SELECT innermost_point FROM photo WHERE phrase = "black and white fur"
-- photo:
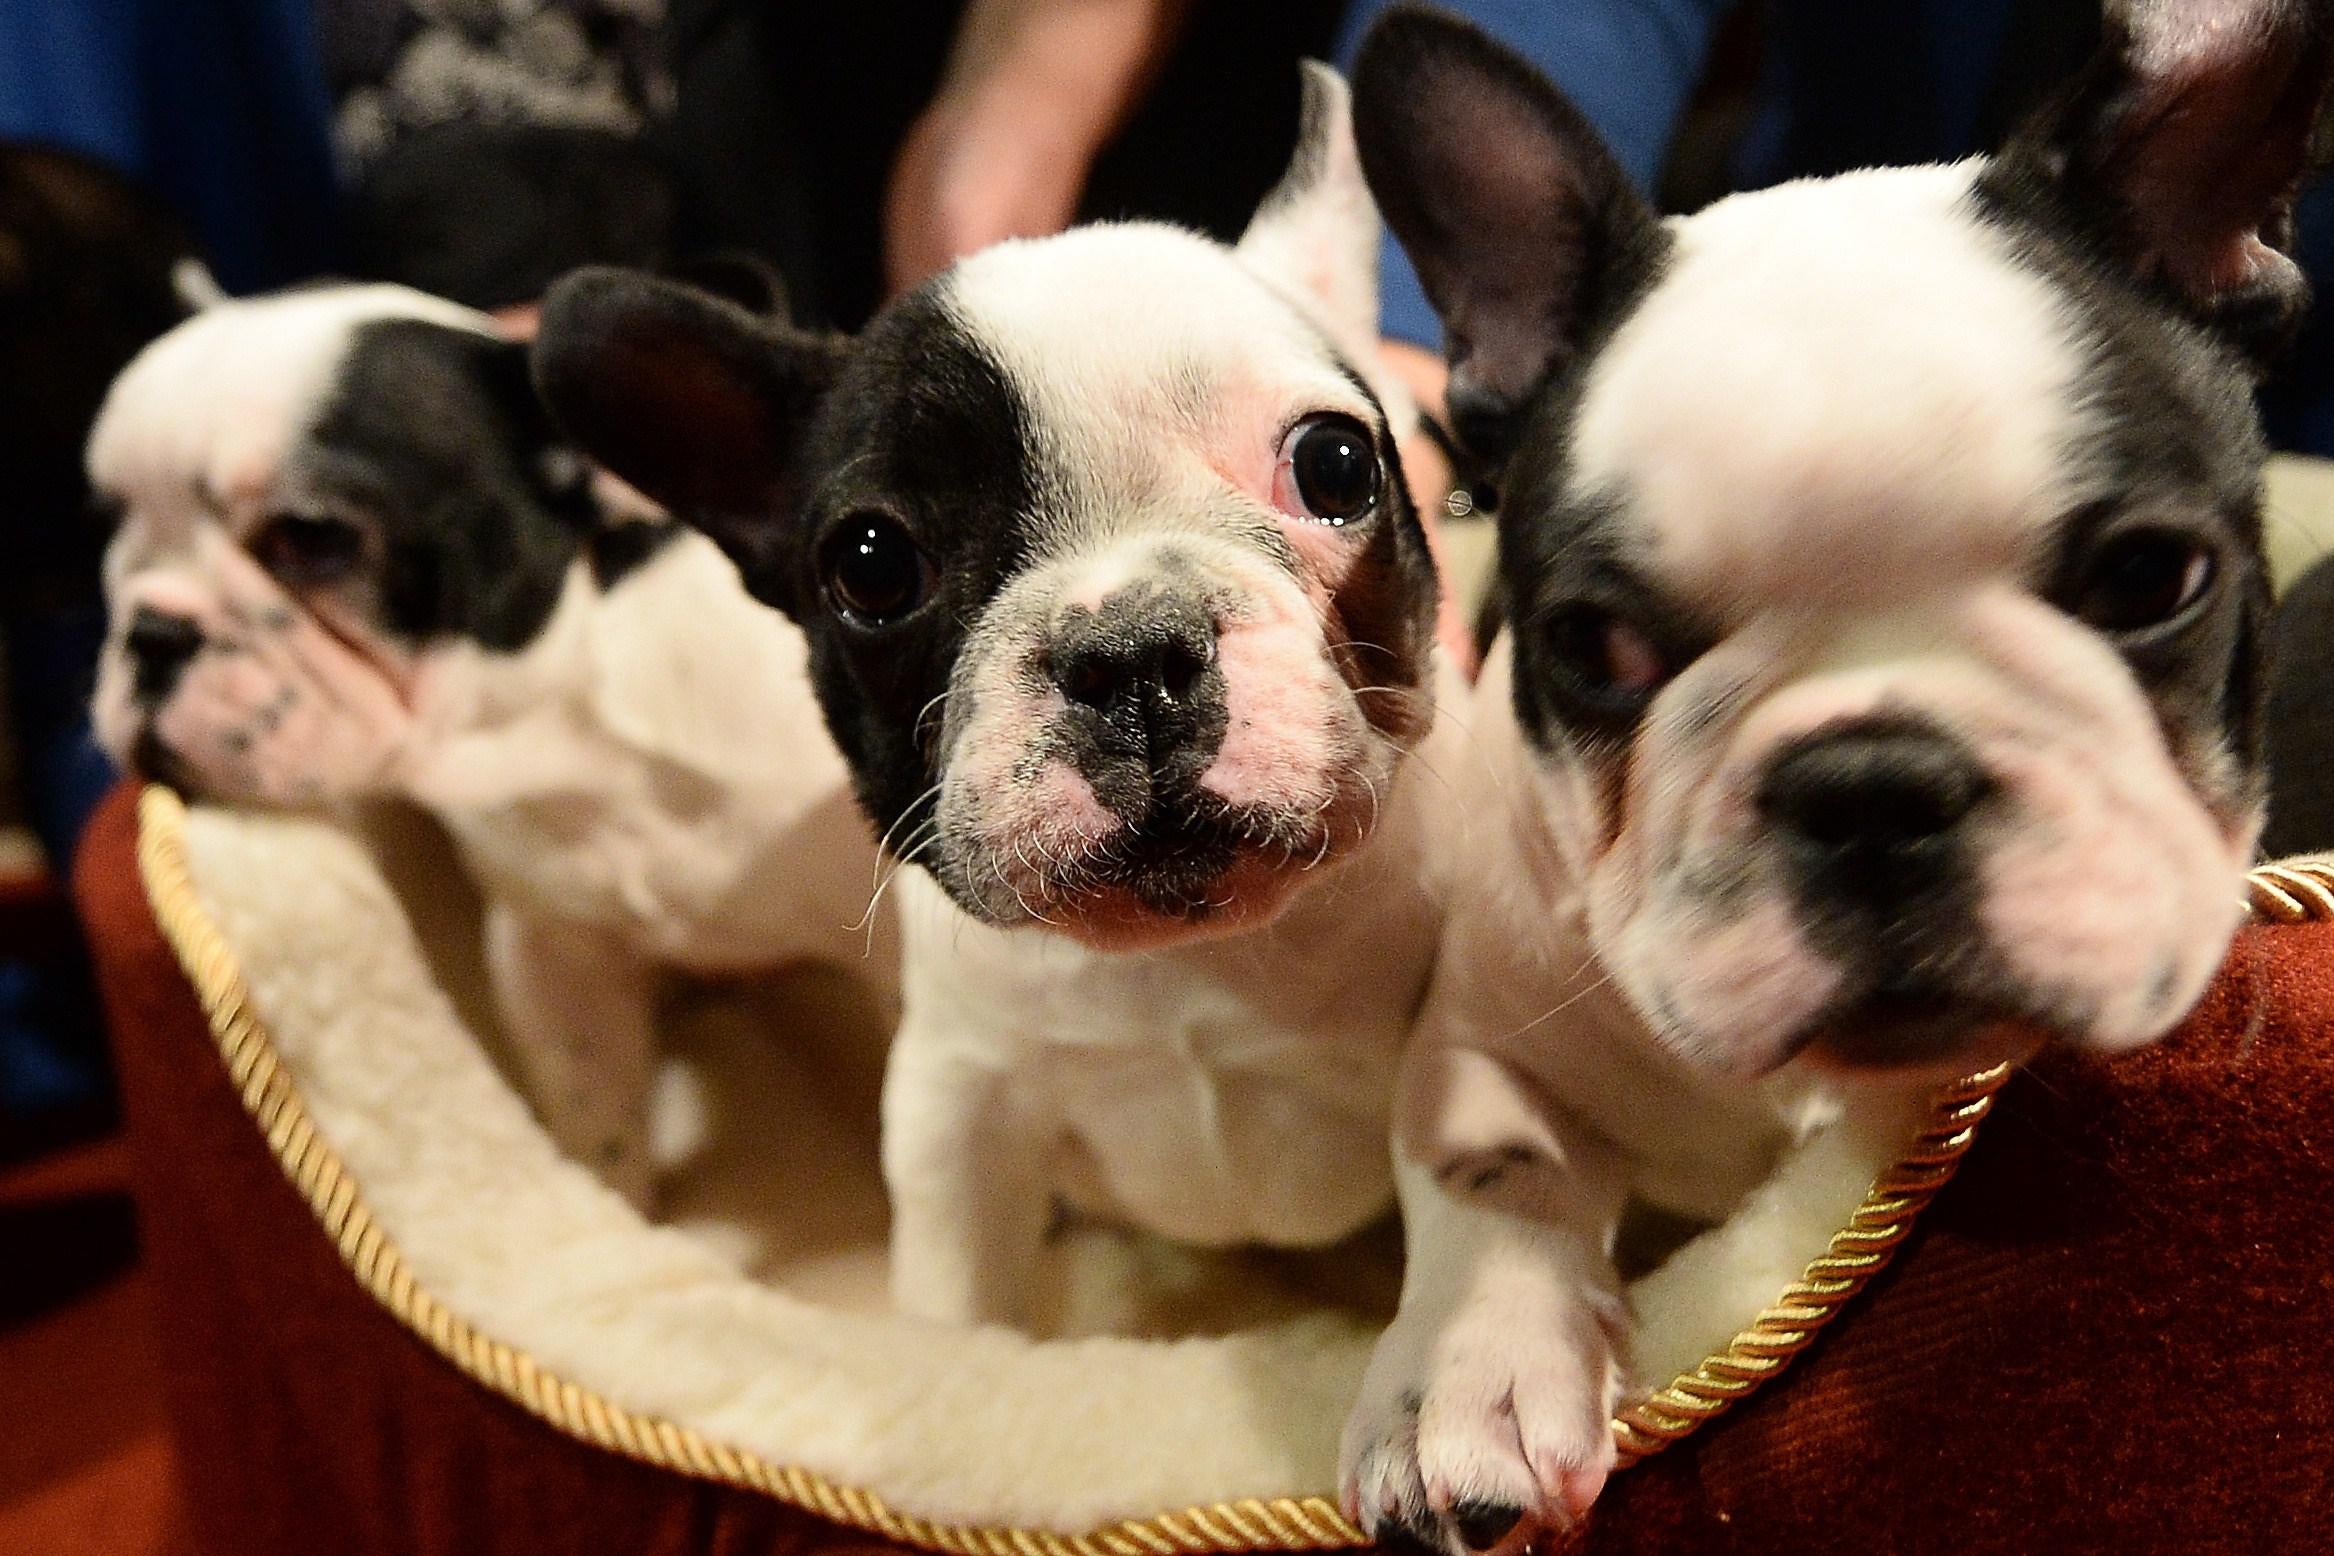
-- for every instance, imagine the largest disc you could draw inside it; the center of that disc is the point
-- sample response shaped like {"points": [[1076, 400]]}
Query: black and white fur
{"points": [[355, 561], [1136, 716], [1881, 697]]}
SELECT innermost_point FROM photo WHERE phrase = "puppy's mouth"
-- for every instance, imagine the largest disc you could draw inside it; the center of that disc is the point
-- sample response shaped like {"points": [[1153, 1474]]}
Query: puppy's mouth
{"points": [[1183, 873], [1174, 864], [1908, 1024]]}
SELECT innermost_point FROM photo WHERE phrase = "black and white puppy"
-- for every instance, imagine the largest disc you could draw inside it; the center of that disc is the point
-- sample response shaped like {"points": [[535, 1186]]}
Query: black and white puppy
{"points": [[1123, 618], [355, 561], [1881, 700]]}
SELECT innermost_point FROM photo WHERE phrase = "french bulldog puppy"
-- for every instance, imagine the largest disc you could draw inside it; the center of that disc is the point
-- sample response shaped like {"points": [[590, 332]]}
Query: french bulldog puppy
{"points": [[1881, 700], [1125, 622], [356, 561]]}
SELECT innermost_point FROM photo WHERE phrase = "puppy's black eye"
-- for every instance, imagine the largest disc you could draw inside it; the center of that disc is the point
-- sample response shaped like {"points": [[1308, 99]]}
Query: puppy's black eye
{"points": [[1328, 470], [1604, 661], [2141, 580], [874, 571], [308, 550]]}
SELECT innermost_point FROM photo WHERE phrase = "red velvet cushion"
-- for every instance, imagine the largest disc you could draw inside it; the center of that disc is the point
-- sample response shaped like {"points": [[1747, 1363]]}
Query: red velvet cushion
{"points": [[2107, 1335]]}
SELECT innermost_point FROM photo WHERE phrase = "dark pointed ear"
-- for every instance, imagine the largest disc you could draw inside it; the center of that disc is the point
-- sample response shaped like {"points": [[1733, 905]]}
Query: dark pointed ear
{"points": [[690, 398], [739, 275], [2178, 151], [1525, 230]]}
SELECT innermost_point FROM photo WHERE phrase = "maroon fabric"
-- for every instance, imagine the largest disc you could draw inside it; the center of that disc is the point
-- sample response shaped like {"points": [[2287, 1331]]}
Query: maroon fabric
{"points": [[2109, 1334]]}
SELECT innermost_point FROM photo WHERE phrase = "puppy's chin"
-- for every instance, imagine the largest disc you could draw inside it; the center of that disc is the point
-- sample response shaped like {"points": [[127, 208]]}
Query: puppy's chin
{"points": [[1192, 875], [1154, 908], [244, 728], [1913, 1037], [1805, 1011]]}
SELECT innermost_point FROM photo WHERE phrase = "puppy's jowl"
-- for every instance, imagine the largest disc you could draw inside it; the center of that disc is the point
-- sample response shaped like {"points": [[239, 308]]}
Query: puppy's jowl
{"points": [[355, 562], [1123, 618], [1880, 698]]}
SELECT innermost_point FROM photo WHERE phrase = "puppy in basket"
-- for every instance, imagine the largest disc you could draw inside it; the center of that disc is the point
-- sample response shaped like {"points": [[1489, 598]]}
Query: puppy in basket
{"points": [[355, 561], [1882, 694], [1123, 618]]}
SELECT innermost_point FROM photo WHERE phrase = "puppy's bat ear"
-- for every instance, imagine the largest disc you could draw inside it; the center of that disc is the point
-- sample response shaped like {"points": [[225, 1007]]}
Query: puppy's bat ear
{"points": [[1316, 234], [1525, 230], [695, 401], [2176, 154], [743, 277]]}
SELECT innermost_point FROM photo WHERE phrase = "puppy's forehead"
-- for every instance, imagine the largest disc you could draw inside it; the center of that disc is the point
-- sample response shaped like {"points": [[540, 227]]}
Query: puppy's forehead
{"points": [[1842, 382], [1133, 348], [213, 408]]}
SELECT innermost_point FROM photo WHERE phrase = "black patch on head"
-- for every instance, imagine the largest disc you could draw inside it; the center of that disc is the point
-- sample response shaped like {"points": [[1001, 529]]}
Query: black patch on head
{"points": [[1559, 553], [2172, 438], [1388, 599], [923, 426], [434, 432]]}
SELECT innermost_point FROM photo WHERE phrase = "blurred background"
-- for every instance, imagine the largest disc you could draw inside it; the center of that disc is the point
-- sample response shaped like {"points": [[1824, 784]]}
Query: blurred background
{"points": [[478, 148]]}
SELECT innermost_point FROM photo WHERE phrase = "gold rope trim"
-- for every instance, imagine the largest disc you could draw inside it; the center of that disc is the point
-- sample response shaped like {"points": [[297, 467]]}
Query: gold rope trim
{"points": [[1859, 1251], [2292, 892]]}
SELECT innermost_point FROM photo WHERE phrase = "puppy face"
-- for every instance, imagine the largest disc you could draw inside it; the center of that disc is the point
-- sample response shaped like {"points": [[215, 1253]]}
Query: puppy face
{"points": [[317, 494], [1884, 553], [1116, 602]]}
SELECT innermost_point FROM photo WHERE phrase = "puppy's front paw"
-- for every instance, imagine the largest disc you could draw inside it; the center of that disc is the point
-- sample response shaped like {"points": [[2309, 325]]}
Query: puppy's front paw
{"points": [[1494, 1420]]}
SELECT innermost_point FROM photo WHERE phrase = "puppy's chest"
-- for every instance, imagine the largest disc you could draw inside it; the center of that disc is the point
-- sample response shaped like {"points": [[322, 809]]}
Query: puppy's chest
{"points": [[689, 868], [1220, 1094], [1218, 1119]]}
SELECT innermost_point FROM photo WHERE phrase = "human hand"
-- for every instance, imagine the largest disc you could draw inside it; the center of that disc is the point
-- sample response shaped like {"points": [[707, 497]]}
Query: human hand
{"points": [[1034, 89]]}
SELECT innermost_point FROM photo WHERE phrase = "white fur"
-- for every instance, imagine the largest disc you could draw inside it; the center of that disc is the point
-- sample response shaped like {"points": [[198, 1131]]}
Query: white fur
{"points": [[1895, 395], [357, 987], [1226, 1086], [1529, 1062], [1230, 1092], [1839, 429], [647, 784]]}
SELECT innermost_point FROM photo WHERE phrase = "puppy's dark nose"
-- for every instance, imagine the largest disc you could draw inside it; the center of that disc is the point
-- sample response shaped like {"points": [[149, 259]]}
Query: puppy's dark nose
{"points": [[1145, 664], [1137, 665], [1885, 796], [160, 646]]}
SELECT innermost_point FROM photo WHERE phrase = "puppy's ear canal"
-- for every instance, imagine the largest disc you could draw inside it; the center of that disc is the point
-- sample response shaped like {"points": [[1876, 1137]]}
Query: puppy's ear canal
{"points": [[1316, 234], [2178, 151], [694, 400], [1525, 230]]}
